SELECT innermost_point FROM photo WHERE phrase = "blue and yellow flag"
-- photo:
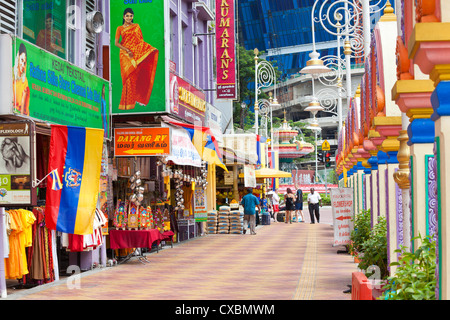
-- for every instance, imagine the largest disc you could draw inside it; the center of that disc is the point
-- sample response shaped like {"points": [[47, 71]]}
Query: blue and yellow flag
{"points": [[76, 153], [56, 182]]}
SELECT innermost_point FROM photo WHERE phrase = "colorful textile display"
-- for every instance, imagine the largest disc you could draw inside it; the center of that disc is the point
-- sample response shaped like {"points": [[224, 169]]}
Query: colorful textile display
{"points": [[40, 256], [87, 242]]}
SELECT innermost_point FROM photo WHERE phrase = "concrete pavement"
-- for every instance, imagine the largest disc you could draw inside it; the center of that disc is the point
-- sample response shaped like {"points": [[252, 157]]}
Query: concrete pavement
{"points": [[282, 262]]}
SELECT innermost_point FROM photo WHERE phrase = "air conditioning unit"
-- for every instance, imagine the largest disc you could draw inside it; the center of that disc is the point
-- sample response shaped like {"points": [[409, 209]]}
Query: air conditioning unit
{"points": [[90, 59], [95, 22]]}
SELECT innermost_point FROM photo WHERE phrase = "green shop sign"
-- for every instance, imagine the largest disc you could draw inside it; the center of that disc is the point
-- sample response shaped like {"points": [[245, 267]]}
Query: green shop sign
{"points": [[51, 89]]}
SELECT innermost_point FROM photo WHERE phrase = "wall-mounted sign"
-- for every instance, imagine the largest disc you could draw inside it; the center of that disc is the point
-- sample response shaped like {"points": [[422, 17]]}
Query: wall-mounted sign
{"points": [[133, 142], [48, 88], [15, 164], [226, 50], [186, 101]]}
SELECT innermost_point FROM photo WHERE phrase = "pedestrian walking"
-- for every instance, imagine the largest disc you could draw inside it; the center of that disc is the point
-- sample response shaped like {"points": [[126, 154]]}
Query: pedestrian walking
{"points": [[275, 204], [289, 199], [250, 202], [314, 200], [299, 206]]}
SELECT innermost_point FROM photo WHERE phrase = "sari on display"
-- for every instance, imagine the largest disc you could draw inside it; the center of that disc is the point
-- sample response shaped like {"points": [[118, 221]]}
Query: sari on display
{"points": [[138, 74]]}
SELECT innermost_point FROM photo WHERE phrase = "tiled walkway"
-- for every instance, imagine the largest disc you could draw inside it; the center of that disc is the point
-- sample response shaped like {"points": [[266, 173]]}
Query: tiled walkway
{"points": [[282, 262]]}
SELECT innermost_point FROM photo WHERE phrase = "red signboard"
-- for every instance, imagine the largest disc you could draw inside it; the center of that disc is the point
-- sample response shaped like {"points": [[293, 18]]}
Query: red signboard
{"points": [[226, 50], [186, 101]]}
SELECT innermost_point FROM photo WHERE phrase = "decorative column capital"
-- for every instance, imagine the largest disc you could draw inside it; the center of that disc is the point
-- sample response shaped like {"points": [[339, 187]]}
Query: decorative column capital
{"points": [[440, 99], [401, 177], [429, 45]]}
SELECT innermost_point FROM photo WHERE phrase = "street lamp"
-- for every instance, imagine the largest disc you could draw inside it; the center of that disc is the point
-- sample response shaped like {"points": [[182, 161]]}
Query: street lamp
{"points": [[265, 76]]}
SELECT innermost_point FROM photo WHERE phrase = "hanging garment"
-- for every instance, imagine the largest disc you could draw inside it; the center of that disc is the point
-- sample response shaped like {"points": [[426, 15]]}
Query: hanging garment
{"points": [[16, 265]]}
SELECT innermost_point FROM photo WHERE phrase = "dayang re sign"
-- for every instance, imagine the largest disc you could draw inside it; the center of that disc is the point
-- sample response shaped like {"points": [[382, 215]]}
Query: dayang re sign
{"points": [[131, 142], [226, 50]]}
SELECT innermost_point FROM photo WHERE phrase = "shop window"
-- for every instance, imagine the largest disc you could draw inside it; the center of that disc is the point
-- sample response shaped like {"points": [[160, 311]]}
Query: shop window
{"points": [[44, 24]]}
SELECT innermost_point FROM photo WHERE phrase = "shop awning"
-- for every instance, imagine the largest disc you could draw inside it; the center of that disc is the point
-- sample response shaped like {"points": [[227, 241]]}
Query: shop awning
{"points": [[235, 157], [269, 173]]}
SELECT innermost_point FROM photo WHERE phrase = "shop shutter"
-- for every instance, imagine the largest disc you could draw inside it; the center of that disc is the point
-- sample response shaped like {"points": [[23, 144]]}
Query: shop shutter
{"points": [[8, 16]]}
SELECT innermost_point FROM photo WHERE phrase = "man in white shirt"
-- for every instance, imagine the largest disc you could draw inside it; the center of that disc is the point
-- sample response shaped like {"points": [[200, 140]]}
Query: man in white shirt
{"points": [[314, 200], [275, 204]]}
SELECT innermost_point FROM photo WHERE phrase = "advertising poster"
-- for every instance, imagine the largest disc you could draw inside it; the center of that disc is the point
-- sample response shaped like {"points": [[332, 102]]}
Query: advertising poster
{"points": [[51, 89], [226, 50], [249, 177], [342, 208], [44, 24], [137, 56], [134, 142], [186, 101], [15, 164], [200, 212]]}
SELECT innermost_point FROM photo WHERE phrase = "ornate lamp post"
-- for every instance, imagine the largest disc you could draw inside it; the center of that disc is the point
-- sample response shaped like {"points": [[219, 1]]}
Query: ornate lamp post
{"points": [[265, 76]]}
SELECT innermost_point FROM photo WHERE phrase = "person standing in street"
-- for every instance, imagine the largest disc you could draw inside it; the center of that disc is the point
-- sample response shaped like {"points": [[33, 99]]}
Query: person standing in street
{"points": [[289, 199], [250, 202], [314, 200], [299, 206], [275, 204]]}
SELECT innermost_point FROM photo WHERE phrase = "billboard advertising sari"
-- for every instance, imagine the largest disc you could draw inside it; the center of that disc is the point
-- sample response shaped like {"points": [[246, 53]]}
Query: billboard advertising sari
{"points": [[51, 89], [137, 56]]}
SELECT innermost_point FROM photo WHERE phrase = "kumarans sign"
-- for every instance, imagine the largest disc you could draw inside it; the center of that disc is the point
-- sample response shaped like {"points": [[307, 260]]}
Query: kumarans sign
{"points": [[226, 50], [131, 142]]}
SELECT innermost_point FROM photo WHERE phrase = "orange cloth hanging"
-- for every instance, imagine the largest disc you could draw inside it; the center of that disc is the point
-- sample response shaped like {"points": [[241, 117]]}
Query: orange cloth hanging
{"points": [[16, 264]]}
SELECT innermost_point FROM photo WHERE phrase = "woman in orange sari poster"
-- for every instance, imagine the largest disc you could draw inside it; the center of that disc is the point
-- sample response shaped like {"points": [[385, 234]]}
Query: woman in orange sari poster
{"points": [[138, 62]]}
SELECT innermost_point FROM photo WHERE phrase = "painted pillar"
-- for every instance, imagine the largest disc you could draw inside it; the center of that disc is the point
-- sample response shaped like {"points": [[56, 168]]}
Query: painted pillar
{"points": [[391, 209], [440, 100], [359, 175], [373, 161], [413, 99], [382, 183], [211, 190], [429, 48], [368, 188]]}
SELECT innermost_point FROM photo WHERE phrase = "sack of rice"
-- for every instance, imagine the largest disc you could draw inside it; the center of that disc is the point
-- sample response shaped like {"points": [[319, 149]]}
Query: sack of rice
{"points": [[224, 208]]}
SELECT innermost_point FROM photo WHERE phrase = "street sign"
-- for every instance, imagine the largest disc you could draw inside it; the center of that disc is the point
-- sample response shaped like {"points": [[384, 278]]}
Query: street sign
{"points": [[325, 145], [342, 208]]}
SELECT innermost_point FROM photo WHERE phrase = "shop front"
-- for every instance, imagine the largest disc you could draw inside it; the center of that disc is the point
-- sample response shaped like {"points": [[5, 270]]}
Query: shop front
{"points": [[41, 93]]}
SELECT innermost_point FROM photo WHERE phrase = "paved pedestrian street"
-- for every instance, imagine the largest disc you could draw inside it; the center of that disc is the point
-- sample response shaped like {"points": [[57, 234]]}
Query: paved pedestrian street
{"points": [[282, 262]]}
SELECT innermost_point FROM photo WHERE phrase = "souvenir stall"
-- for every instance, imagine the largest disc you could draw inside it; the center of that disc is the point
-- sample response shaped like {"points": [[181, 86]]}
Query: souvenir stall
{"points": [[141, 215]]}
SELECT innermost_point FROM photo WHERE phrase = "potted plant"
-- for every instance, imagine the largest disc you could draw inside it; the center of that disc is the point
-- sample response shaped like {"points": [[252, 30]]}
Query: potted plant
{"points": [[415, 277], [360, 234]]}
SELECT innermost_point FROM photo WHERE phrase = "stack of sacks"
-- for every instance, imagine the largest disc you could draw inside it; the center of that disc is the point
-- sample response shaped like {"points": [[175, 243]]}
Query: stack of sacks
{"points": [[211, 222], [236, 219], [223, 221]]}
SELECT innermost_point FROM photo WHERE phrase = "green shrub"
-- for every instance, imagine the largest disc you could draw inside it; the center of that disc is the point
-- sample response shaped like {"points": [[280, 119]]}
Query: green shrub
{"points": [[361, 231], [415, 277], [375, 249]]}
